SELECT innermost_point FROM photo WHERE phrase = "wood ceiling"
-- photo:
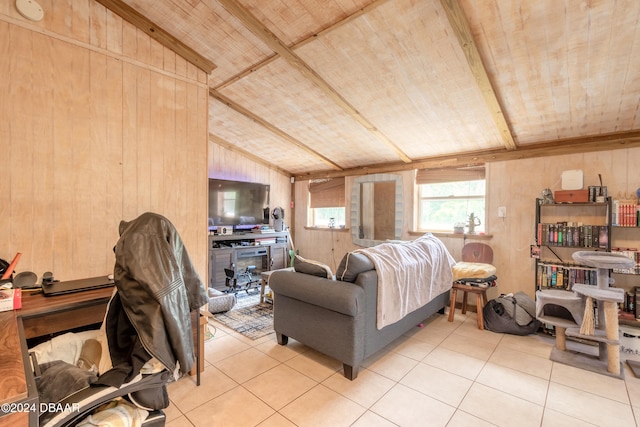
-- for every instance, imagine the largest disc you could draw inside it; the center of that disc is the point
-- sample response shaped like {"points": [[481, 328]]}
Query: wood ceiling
{"points": [[323, 88]]}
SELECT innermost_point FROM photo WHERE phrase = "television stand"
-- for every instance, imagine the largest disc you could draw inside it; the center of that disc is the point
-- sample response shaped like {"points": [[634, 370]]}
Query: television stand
{"points": [[244, 280], [236, 252]]}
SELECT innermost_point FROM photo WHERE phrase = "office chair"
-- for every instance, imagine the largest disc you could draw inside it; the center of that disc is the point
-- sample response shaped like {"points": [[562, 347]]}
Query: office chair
{"points": [[146, 332]]}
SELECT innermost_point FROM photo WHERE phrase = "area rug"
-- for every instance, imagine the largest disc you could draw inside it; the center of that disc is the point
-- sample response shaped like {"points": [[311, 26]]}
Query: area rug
{"points": [[248, 317], [247, 299]]}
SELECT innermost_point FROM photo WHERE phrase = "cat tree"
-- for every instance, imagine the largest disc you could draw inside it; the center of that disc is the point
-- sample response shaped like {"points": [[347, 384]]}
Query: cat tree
{"points": [[601, 329]]}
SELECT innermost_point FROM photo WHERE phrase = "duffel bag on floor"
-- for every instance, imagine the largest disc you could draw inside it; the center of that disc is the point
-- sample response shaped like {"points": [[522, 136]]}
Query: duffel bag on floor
{"points": [[497, 316]]}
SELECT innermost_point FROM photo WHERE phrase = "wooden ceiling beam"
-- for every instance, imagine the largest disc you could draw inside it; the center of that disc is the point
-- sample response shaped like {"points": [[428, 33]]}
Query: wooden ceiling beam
{"points": [[358, 13], [460, 26], [244, 73], [141, 22], [231, 147], [270, 127], [278, 46], [603, 142], [255, 67]]}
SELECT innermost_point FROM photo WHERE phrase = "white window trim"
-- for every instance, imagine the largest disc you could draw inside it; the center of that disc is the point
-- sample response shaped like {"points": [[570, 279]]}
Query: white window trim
{"points": [[419, 199]]}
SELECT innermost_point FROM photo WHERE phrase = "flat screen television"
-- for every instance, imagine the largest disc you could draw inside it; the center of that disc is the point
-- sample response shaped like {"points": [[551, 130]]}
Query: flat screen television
{"points": [[242, 205]]}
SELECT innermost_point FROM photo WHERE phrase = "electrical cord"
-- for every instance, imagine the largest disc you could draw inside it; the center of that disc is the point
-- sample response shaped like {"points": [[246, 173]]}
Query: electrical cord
{"points": [[333, 252]]}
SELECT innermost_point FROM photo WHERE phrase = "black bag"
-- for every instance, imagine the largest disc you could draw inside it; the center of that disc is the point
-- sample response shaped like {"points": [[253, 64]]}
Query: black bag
{"points": [[496, 319]]}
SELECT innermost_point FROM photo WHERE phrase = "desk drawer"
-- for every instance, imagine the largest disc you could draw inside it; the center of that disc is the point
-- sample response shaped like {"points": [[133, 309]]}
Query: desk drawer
{"points": [[51, 323]]}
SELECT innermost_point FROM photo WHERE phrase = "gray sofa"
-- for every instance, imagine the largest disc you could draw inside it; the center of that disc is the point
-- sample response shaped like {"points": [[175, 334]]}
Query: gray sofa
{"points": [[338, 317]]}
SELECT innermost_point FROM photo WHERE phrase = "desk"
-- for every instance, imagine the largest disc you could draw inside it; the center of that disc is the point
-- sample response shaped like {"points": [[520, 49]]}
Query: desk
{"points": [[43, 315], [17, 385], [40, 316]]}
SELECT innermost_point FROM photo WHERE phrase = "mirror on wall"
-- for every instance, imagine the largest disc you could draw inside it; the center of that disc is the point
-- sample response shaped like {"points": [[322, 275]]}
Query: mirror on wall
{"points": [[376, 209]]}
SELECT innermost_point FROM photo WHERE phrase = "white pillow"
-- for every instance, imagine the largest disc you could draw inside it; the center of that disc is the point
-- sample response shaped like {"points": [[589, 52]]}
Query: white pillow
{"points": [[66, 347], [315, 268]]}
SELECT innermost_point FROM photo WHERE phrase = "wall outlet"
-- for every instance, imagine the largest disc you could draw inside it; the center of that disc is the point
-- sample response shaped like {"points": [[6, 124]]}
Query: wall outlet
{"points": [[502, 212]]}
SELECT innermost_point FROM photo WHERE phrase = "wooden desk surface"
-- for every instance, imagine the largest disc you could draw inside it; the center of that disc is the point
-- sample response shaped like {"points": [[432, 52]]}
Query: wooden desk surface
{"points": [[16, 388], [43, 315], [35, 303], [40, 315], [13, 383]]}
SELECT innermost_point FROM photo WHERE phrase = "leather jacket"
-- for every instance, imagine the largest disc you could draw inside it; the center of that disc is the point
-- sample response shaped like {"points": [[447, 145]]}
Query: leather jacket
{"points": [[158, 288]]}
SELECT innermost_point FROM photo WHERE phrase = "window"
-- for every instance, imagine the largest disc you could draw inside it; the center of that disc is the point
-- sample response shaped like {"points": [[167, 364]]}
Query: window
{"points": [[322, 217], [229, 204], [449, 197], [326, 203]]}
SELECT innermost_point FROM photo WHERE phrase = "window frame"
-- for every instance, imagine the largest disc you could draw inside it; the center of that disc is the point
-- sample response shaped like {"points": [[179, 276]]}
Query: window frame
{"points": [[450, 176], [313, 223], [328, 192]]}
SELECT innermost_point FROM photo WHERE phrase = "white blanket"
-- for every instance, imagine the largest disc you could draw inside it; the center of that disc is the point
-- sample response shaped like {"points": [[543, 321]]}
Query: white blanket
{"points": [[410, 274]]}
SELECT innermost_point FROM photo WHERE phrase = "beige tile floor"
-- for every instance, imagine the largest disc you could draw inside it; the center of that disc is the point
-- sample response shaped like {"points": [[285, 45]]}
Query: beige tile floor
{"points": [[443, 374]]}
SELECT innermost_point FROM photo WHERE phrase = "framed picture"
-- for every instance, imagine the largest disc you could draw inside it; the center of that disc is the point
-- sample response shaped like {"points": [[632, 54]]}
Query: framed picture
{"points": [[535, 251]]}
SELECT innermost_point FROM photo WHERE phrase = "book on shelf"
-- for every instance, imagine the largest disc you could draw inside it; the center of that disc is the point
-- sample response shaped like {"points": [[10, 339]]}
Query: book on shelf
{"points": [[264, 230], [603, 237], [561, 234], [265, 240], [631, 253], [626, 315], [588, 236], [539, 240], [560, 275], [625, 213], [629, 307]]}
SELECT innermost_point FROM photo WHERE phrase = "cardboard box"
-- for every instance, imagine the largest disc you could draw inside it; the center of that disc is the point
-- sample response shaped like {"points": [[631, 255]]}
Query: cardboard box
{"points": [[629, 342], [571, 196], [10, 299]]}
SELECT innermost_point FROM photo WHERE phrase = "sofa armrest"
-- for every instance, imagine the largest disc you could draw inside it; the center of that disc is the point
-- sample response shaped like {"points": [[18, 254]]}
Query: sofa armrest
{"points": [[342, 297]]}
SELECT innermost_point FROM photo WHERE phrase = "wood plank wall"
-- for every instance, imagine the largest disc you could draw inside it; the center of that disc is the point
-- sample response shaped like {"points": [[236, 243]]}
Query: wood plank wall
{"points": [[330, 246], [514, 184], [99, 123]]}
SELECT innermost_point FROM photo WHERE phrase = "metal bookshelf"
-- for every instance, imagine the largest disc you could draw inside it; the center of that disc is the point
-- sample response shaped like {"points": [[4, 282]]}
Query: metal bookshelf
{"points": [[564, 228]]}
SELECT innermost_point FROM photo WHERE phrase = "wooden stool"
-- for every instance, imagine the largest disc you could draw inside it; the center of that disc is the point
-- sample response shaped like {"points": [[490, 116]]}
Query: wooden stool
{"points": [[475, 268], [481, 300]]}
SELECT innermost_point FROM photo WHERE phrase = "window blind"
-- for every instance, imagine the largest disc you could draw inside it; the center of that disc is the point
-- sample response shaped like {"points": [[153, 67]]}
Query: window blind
{"points": [[327, 193], [431, 176]]}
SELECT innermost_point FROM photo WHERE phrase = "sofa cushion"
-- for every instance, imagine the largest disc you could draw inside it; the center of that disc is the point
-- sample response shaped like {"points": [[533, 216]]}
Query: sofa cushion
{"points": [[352, 264], [472, 270], [315, 268], [344, 298]]}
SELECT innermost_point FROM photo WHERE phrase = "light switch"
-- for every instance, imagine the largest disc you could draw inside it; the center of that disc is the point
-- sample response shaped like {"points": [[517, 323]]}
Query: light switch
{"points": [[502, 212]]}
